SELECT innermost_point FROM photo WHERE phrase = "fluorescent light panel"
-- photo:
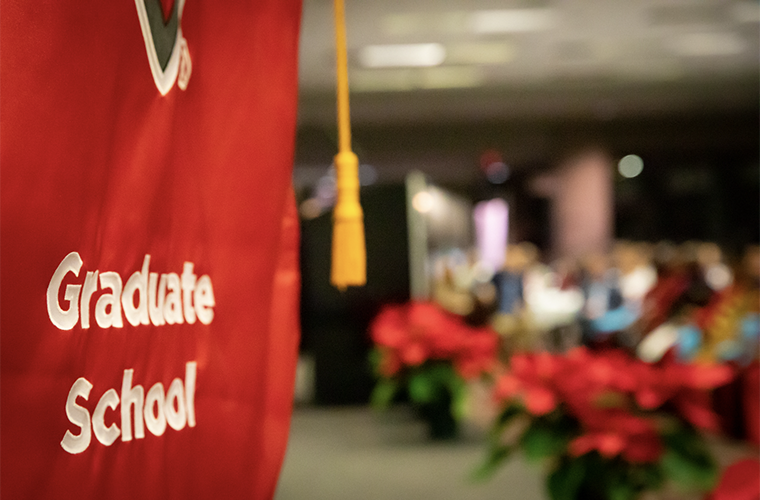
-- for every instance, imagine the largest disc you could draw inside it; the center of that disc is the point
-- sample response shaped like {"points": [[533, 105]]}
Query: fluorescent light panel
{"points": [[511, 20], [417, 55]]}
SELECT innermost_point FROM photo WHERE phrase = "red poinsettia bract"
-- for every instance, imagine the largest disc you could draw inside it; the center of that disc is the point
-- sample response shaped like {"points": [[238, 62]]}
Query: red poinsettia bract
{"points": [[410, 334], [608, 393]]}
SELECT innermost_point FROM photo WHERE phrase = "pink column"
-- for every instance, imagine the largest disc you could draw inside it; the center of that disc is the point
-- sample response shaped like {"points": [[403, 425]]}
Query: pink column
{"points": [[582, 209]]}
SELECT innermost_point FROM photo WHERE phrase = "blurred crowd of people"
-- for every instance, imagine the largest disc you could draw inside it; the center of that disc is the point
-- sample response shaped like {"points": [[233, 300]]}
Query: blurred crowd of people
{"points": [[690, 298]]}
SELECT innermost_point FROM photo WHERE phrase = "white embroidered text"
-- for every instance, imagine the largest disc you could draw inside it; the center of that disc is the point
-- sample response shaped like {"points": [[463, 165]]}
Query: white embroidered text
{"points": [[165, 299]]}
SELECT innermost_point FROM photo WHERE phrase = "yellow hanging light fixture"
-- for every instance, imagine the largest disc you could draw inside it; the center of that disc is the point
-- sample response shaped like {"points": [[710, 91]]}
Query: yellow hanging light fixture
{"points": [[349, 254]]}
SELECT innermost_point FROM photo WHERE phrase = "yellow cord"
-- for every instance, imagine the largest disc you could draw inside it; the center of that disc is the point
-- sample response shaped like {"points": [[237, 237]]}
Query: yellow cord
{"points": [[349, 255], [344, 120]]}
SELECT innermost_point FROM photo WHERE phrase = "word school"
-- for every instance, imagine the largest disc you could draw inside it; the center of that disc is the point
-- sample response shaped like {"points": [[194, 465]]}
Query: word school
{"points": [[168, 299], [155, 410]]}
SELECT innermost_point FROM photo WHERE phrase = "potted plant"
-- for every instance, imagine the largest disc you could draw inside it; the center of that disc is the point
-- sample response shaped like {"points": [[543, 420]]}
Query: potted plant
{"points": [[605, 424], [430, 353]]}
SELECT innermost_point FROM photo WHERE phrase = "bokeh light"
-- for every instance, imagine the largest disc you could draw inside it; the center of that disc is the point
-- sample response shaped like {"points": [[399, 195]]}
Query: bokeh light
{"points": [[630, 166]]}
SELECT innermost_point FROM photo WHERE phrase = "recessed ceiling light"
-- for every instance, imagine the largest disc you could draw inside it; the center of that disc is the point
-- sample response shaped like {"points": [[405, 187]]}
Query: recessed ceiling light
{"points": [[402, 55], [511, 20]]}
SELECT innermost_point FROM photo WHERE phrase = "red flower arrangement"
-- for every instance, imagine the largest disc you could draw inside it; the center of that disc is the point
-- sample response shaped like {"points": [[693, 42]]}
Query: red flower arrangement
{"points": [[429, 351], [409, 335], [612, 425]]}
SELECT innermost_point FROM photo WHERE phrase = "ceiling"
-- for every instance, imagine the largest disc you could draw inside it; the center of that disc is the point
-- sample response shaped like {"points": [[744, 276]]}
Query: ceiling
{"points": [[522, 59], [673, 79]]}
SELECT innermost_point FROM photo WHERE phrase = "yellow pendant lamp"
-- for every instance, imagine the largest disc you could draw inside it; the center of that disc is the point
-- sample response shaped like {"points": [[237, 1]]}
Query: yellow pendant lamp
{"points": [[349, 254]]}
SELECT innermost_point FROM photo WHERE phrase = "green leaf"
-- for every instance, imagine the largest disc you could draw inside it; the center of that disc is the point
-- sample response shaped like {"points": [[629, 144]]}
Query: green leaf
{"points": [[422, 387], [688, 461], [443, 373], [543, 440], [565, 480], [383, 393], [621, 491], [496, 455], [502, 422], [507, 415], [646, 476], [375, 358], [450, 381], [619, 487], [459, 403], [689, 472]]}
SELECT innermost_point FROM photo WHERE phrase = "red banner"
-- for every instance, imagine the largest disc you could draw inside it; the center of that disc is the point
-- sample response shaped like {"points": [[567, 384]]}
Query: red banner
{"points": [[149, 266]]}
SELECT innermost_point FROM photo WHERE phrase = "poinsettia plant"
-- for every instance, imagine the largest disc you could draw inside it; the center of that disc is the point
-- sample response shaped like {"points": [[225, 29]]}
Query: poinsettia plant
{"points": [[430, 353], [606, 424]]}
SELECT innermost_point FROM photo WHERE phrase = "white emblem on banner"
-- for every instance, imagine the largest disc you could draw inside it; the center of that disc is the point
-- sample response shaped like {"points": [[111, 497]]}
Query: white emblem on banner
{"points": [[168, 55]]}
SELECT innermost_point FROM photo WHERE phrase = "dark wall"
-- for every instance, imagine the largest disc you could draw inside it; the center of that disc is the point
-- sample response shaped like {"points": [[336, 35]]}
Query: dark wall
{"points": [[679, 197]]}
